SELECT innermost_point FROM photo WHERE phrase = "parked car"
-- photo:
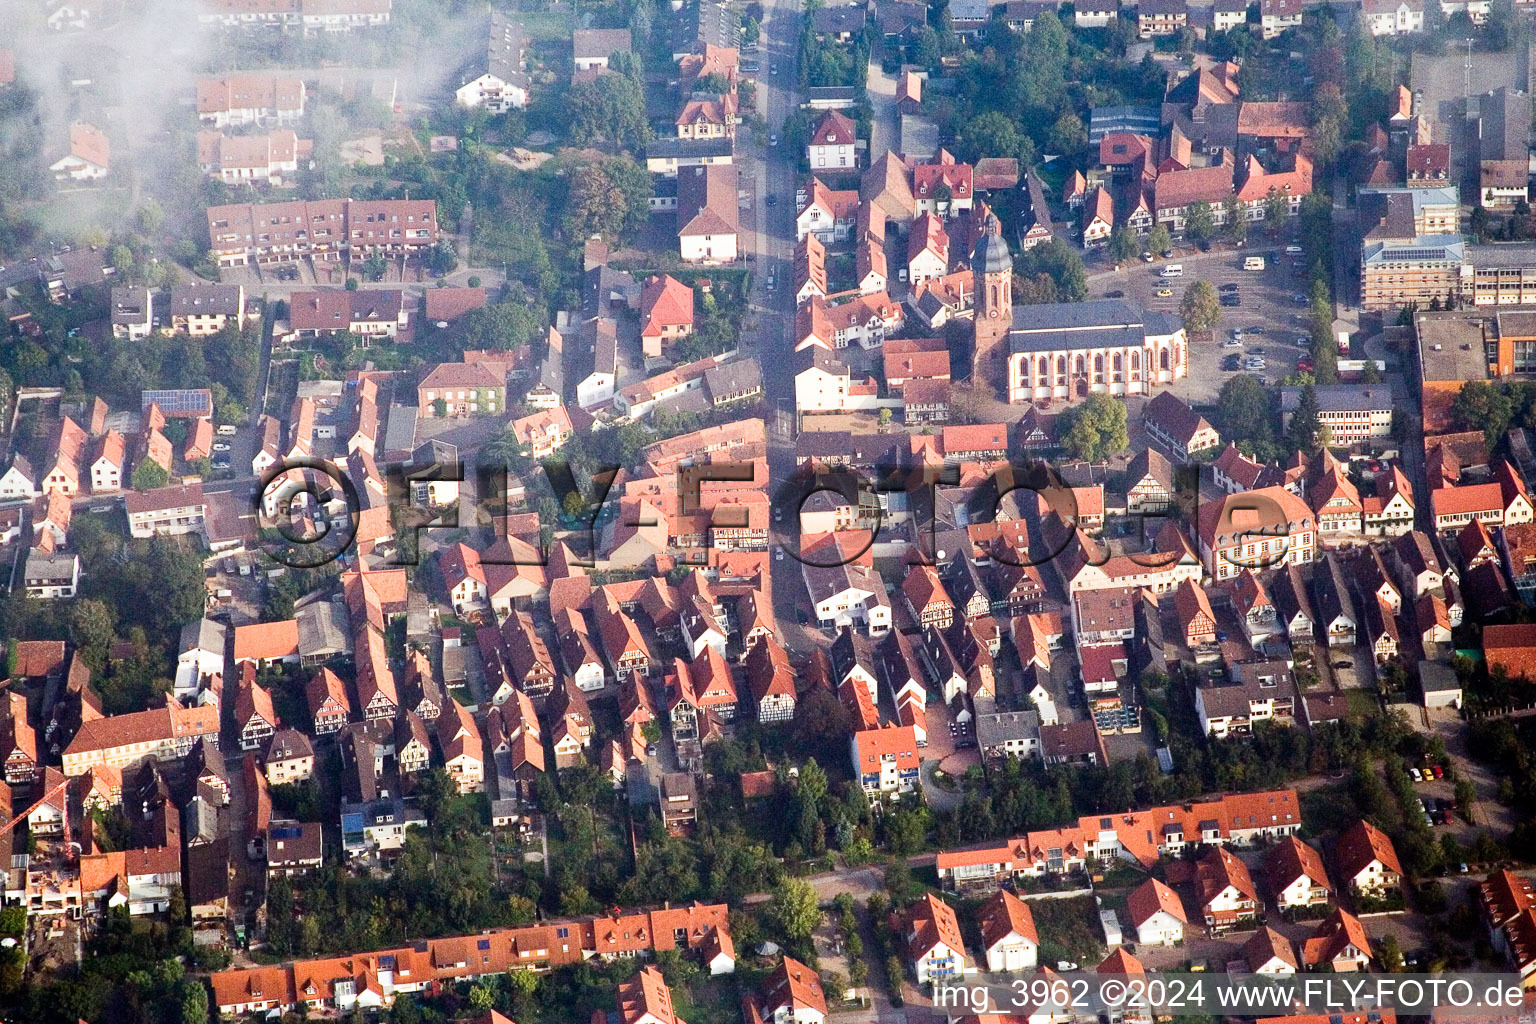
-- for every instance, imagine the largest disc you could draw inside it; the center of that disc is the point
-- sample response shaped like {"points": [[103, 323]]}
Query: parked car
{"points": [[1164, 293], [1229, 287], [1439, 772], [1416, 776], [1116, 294], [1232, 343]]}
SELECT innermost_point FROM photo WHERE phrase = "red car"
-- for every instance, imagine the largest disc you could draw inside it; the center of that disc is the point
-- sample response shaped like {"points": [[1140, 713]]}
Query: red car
{"points": [[1439, 772], [1304, 365]]}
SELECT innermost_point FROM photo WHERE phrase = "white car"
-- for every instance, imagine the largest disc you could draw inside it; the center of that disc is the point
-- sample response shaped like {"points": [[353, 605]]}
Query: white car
{"points": [[1232, 343], [220, 446]]}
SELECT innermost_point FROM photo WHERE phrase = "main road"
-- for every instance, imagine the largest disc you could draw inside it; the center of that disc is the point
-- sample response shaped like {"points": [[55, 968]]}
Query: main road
{"points": [[772, 171]]}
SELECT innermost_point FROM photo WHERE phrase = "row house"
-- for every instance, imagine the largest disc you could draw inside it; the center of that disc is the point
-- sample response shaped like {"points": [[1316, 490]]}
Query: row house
{"points": [[375, 978], [235, 101], [324, 230], [1140, 837], [1500, 503]]}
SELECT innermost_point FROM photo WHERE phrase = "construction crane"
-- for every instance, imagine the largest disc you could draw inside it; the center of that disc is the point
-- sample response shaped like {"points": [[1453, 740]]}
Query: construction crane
{"points": [[61, 787]]}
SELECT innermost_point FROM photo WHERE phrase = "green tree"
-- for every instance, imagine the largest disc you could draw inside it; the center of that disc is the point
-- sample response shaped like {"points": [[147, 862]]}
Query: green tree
{"points": [[1199, 221], [1123, 244], [1158, 239], [795, 909], [1245, 409], [992, 133], [1096, 429], [1276, 208], [1480, 405], [150, 217], [194, 1003], [1390, 953], [1305, 428], [594, 205], [149, 475], [1067, 136], [92, 627], [1237, 221], [611, 108], [1200, 307]]}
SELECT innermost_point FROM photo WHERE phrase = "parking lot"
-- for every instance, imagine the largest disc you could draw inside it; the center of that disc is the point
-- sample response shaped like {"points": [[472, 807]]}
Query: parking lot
{"points": [[1268, 302]]}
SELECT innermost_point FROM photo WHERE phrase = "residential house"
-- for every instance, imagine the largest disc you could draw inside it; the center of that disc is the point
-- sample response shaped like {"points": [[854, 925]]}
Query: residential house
{"points": [[1157, 914], [934, 947], [1367, 860], [1008, 933], [1339, 943], [1296, 875]]}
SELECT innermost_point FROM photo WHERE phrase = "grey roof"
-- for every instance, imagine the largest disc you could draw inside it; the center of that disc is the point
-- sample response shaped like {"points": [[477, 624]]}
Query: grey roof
{"points": [[205, 300], [992, 255], [203, 635], [323, 629], [706, 22], [1437, 677], [896, 17], [603, 286], [1255, 681], [1343, 398], [1504, 126], [1159, 324], [599, 42], [1332, 592], [839, 19], [1500, 254], [1423, 249], [742, 375], [831, 92], [50, 568], [505, 42], [400, 430], [1038, 341], [919, 136], [994, 727], [676, 148], [1094, 314], [130, 305]]}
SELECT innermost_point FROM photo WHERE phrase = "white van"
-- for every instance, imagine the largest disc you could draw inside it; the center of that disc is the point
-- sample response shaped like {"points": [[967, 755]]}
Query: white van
{"points": [[1293, 250], [1253, 263], [1172, 270], [228, 430]]}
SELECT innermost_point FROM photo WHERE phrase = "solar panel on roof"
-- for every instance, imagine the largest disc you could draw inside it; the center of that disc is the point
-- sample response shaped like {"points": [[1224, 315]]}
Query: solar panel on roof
{"points": [[287, 833], [176, 401]]}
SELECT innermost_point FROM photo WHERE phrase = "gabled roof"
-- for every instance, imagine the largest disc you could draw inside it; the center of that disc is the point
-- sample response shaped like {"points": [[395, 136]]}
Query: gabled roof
{"points": [[1003, 915], [1266, 945], [1150, 897], [1292, 859], [1361, 844]]}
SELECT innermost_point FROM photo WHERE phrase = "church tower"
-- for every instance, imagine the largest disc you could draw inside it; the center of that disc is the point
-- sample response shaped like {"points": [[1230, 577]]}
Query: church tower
{"points": [[992, 270]]}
